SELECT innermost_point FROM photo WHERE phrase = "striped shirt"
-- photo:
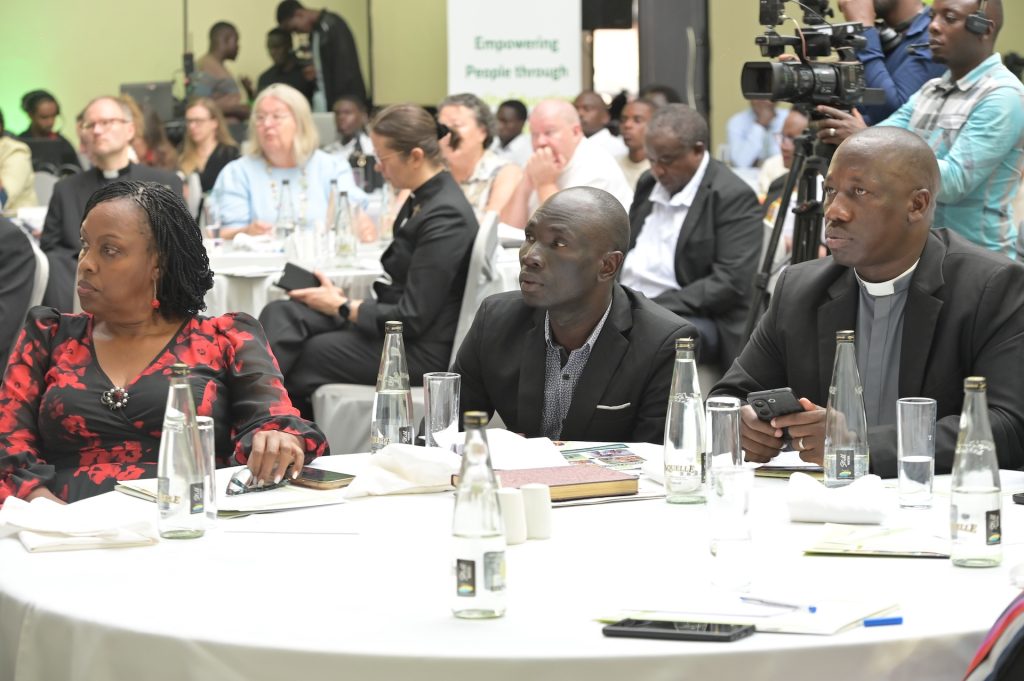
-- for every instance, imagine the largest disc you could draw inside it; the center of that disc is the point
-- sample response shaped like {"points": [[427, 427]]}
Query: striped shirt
{"points": [[975, 126]]}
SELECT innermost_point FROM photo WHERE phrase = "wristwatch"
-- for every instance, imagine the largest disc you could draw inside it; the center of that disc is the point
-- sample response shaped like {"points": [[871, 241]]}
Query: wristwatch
{"points": [[344, 310]]}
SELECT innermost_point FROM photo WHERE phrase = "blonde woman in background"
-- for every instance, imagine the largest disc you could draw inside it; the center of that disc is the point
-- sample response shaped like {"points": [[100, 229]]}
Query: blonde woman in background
{"points": [[208, 145]]}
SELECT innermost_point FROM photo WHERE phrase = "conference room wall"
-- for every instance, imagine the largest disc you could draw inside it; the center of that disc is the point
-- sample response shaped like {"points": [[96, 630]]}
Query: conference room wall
{"points": [[78, 50]]}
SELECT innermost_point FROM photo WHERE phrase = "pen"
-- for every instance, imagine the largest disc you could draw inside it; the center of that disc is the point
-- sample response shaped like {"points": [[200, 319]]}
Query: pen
{"points": [[882, 621], [778, 604]]}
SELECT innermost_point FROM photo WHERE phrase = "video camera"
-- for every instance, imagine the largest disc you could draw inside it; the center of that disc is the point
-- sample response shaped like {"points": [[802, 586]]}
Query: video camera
{"points": [[836, 83]]}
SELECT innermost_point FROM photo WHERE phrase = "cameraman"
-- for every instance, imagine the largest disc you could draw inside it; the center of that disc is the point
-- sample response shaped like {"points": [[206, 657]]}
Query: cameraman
{"points": [[893, 60]]}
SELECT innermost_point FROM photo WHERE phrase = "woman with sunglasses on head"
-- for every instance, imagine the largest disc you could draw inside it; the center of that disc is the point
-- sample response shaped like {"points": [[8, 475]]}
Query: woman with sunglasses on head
{"points": [[83, 396], [323, 336]]}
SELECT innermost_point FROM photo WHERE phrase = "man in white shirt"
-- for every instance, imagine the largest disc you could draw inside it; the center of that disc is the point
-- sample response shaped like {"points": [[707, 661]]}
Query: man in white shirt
{"points": [[562, 158], [510, 142], [350, 118], [635, 118], [594, 118], [696, 233]]}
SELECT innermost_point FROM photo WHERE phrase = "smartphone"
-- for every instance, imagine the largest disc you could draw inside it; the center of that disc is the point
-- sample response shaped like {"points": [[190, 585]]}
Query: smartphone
{"points": [[296, 277], [317, 478], [679, 631], [768, 404]]}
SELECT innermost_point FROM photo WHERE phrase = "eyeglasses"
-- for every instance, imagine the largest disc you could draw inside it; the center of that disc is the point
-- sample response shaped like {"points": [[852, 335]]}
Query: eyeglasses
{"points": [[197, 121], [275, 118], [103, 123], [780, 138]]}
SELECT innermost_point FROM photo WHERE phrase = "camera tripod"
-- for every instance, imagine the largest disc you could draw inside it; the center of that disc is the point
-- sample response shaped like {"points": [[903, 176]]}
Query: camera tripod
{"points": [[810, 161]]}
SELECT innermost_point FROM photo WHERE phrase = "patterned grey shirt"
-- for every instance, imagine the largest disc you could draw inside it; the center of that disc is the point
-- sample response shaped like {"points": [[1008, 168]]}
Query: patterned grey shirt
{"points": [[562, 372]]}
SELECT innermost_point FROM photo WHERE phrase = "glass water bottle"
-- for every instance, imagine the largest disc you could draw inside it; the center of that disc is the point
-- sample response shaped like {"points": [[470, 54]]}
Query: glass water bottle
{"points": [[846, 427], [180, 489], [392, 403], [686, 463], [477, 530], [975, 503]]}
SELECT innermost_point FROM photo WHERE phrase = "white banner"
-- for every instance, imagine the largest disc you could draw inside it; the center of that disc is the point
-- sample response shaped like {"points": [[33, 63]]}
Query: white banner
{"points": [[528, 50]]}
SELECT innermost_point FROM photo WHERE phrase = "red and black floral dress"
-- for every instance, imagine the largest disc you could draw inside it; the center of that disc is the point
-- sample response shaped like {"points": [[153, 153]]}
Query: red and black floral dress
{"points": [[57, 430]]}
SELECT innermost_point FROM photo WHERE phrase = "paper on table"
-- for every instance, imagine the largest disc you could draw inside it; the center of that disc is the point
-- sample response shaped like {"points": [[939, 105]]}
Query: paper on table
{"points": [[869, 540], [830, 616]]}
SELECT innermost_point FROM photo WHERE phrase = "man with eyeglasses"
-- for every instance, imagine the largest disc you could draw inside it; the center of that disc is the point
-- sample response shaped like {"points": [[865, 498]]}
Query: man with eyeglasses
{"points": [[696, 233], [108, 122]]}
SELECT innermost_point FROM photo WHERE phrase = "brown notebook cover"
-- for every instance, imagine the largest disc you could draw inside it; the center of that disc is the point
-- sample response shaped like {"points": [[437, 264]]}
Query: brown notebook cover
{"points": [[582, 481]]}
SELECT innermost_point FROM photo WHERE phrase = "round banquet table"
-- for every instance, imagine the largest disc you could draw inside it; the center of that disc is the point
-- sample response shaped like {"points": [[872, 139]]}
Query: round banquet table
{"points": [[361, 590]]}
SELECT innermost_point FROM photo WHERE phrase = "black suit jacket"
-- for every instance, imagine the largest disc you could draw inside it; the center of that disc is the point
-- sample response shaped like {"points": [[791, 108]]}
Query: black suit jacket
{"points": [[427, 264], [717, 254], [339, 59], [17, 274], [60, 238], [964, 316], [502, 363]]}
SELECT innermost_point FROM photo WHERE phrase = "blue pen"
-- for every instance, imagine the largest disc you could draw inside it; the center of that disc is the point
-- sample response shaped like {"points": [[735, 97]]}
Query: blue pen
{"points": [[883, 621]]}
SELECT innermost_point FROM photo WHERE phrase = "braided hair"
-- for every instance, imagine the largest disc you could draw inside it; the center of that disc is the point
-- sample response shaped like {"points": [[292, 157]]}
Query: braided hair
{"points": [[185, 274]]}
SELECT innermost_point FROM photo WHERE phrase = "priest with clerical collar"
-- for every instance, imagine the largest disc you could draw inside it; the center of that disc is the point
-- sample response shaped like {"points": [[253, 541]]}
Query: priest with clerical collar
{"points": [[929, 309], [108, 123]]}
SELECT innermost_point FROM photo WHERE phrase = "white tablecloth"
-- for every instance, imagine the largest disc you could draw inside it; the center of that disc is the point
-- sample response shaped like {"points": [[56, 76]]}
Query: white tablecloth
{"points": [[258, 600]]}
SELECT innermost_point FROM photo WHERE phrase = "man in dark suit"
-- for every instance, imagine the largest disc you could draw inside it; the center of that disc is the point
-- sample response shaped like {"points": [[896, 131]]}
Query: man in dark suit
{"points": [[573, 355], [109, 122], [929, 309], [17, 273], [696, 234]]}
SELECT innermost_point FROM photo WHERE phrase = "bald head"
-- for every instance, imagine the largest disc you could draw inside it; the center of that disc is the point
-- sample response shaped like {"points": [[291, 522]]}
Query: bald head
{"points": [[555, 108], [898, 153], [593, 213], [555, 125]]}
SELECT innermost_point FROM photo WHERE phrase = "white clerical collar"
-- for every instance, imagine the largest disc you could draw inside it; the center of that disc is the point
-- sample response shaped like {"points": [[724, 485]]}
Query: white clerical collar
{"points": [[884, 288]]}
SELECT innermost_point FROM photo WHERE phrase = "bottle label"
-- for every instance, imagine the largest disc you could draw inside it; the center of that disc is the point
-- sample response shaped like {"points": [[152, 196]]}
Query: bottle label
{"points": [[465, 578], [164, 500], [405, 435], [494, 570], [844, 465], [993, 528], [195, 491]]}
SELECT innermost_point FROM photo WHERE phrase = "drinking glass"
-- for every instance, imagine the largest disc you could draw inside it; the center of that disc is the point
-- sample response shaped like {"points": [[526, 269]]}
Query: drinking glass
{"points": [[209, 460], [441, 408], [915, 437], [729, 520], [723, 431]]}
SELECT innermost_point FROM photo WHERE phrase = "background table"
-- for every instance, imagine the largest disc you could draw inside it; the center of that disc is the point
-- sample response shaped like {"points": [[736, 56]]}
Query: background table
{"points": [[252, 602]]}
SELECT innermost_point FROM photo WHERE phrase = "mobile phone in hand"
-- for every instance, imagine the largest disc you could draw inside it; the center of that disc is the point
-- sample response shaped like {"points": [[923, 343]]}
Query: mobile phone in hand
{"points": [[296, 277], [679, 631], [768, 404]]}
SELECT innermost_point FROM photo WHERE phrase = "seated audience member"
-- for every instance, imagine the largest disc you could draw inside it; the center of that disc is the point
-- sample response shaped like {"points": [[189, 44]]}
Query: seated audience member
{"points": [[973, 119], [83, 396], [208, 145], [594, 119], [323, 336], [84, 142], [573, 355], [350, 119], [562, 157], [635, 118], [696, 234], [486, 179], [928, 307], [511, 143], [212, 78], [795, 125], [751, 133], [282, 146], [287, 68], [152, 146], [42, 110], [108, 123], [17, 272], [17, 181]]}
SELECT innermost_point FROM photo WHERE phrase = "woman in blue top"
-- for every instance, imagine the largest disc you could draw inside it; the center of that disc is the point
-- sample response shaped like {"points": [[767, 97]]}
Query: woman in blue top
{"points": [[282, 146]]}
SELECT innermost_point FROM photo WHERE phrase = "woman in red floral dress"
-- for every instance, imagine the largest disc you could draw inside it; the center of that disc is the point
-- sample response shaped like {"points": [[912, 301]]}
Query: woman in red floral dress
{"points": [[83, 396]]}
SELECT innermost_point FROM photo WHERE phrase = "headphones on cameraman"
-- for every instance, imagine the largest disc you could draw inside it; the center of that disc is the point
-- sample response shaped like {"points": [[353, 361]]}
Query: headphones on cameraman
{"points": [[978, 23], [891, 36]]}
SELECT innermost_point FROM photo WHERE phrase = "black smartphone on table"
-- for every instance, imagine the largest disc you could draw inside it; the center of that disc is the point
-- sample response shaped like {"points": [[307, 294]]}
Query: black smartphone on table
{"points": [[679, 631], [296, 277], [318, 478]]}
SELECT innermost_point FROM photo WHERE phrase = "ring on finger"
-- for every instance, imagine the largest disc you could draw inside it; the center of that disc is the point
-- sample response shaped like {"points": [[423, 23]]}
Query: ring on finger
{"points": [[831, 132], [800, 444]]}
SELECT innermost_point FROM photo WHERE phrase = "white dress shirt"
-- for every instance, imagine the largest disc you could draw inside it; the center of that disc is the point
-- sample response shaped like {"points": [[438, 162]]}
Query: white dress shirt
{"points": [[650, 266], [518, 150], [591, 166], [610, 143]]}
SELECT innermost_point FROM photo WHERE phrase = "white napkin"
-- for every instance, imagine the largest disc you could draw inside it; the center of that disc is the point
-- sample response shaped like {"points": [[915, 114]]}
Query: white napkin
{"points": [[44, 525], [406, 469], [262, 243], [862, 502]]}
